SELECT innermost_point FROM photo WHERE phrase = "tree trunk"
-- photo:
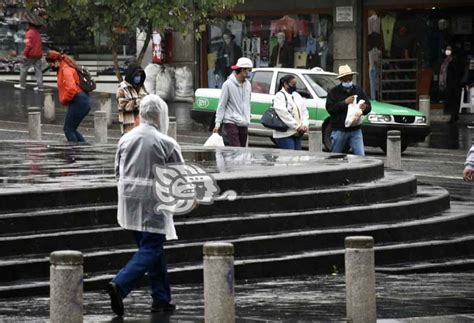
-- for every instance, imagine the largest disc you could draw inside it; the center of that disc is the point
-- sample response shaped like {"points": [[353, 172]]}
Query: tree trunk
{"points": [[115, 58], [149, 33]]}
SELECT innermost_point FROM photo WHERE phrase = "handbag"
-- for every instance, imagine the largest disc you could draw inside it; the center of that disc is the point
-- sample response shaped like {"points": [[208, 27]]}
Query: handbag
{"points": [[271, 120]]}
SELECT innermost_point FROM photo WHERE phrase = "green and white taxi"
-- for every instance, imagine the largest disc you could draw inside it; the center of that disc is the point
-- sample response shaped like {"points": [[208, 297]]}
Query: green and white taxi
{"points": [[314, 86]]}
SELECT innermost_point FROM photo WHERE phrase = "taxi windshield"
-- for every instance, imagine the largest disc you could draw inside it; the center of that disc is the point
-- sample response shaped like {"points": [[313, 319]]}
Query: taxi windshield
{"points": [[321, 84]]}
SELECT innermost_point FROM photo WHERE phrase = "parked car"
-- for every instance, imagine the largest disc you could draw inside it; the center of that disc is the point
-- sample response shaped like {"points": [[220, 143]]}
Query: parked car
{"points": [[314, 86]]}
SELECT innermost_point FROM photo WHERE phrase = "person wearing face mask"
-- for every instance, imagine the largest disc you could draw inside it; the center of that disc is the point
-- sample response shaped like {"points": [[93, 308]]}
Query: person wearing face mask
{"points": [[291, 108], [450, 84], [282, 54], [337, 102], [129, 93], [70, 93], [227, 56], [233, 109]]}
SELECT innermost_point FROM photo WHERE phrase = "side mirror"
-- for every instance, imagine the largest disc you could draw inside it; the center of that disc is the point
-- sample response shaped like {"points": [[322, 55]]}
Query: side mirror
{"points": [[305, 94]]}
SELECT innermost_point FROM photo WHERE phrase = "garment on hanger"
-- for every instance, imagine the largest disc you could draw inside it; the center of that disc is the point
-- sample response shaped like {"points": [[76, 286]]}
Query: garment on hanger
{"points": [[287, 25], [388, 22], [300, 59], [264, 53], [375, 57], [373, 24], [311, 45], [255, 51]]}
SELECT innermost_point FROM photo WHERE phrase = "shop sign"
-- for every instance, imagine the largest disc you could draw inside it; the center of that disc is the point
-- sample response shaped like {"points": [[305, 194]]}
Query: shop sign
{"points": [[344, 14]]}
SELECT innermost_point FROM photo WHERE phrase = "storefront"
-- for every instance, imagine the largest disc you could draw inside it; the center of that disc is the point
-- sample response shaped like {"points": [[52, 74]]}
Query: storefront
{"points": [[300, 38], [404, 46]]}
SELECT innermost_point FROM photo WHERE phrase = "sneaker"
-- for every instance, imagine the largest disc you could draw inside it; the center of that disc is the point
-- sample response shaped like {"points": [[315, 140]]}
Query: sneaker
{"points": [[115, 299], [19, 86], [163, 307], [37, 88]]}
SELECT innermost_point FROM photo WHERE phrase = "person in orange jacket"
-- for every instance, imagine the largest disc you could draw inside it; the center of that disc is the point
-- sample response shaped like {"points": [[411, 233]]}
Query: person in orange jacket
{"points": [[70, 94]]}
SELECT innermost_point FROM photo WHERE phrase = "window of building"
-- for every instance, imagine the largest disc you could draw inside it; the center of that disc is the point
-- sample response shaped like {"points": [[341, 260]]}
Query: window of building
{"points": [[302, 41]]}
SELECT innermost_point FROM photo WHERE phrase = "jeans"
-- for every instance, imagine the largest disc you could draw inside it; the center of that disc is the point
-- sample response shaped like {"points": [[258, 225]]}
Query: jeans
{"points": [[77, 110], [289, 143], [27, 63], [340, 140], [149, 258], [236, 136]]}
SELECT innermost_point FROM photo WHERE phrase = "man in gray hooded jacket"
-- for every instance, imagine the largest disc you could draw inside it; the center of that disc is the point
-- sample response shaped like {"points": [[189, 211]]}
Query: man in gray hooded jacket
{"points": [[233, 110], [138, 151]]}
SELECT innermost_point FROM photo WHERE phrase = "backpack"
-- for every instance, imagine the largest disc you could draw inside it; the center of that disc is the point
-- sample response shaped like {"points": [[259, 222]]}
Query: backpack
{"points": [[86, 83]]}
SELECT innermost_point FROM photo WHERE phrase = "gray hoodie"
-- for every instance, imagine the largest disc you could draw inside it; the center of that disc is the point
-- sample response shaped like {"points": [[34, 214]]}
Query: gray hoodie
{"points": [[234, 103], [470, 158]]}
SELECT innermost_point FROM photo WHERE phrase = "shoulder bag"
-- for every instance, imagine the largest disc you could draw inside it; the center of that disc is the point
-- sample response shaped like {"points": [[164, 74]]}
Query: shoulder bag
{"points": [[271, 120]]}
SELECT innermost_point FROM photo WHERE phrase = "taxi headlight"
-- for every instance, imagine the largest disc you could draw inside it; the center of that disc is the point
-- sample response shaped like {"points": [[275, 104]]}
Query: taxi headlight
{"points": [[420, 119], [379, 118]]}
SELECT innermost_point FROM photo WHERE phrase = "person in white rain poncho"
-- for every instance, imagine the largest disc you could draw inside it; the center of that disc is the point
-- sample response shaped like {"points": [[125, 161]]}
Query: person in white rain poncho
{"points": [[138, 151]]}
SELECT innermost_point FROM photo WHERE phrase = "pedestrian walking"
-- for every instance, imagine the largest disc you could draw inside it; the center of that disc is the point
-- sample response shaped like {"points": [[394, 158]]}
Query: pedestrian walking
{"points": [[450, 82], [129, 93], [70, 93], [468, 174], [291, 108], [138, 151], [337, 103], [233, 110], [33, 52]]}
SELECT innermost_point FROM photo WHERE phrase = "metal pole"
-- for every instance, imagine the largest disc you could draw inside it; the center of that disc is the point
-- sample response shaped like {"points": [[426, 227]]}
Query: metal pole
{"points": [[34, 123], [360, 280], [424, 107], [173, 128], [66, 286], [219, 306], [315, 140], [100, 127], [394, 150], [49, 106]]}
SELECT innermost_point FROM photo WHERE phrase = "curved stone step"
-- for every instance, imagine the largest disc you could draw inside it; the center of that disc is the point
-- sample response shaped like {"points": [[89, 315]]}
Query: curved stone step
{"points": [[316, 262], [461, 264], [430, 201], [461, 216]]}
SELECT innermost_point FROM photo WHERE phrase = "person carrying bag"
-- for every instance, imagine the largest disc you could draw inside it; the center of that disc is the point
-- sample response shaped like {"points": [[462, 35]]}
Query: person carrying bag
{"points": [[291, 109]]}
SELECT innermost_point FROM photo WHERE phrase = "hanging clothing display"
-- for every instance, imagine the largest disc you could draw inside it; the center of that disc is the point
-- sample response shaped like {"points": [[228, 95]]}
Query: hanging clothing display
{"points": [[374, 24], [300, 59], [388, 22], [375, 56], [288, 26]]}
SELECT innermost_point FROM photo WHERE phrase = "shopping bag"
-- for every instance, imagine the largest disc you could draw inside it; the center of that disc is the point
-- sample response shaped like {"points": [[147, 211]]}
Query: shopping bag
{"points": [[215, 140], [354, 113]]}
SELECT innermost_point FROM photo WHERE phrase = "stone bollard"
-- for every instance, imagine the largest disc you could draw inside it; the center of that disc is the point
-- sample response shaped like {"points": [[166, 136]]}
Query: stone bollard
{"points": [[100, 127], [219, 306], [173, 128], [105, 102], [49, 106], [424, 106], [34, 123], [66, 286], [394, 150], [360, 279], [315, 140]]}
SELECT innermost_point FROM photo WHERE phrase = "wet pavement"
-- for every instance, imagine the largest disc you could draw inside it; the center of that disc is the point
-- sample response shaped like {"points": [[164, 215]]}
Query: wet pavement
{"points": [[444, 297], [296, 299]]}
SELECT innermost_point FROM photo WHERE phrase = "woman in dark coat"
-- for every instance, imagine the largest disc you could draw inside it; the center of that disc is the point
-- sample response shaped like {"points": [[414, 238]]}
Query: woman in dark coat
{"points": [[450, 83]]}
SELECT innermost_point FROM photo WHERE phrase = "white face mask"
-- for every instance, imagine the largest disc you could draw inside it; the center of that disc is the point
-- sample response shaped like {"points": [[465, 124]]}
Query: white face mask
{"points": [[347, 85], [447, 52]]}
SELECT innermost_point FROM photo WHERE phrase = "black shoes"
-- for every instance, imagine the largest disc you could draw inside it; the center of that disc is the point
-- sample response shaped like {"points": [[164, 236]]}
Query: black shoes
{"points": [[163, 308], [115, 299]]}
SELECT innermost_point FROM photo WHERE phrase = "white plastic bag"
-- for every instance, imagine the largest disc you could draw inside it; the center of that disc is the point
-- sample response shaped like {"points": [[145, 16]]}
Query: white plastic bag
{"points": [[354, 113], [215, 140], [150, 81], [165, 83], [184, 84]]}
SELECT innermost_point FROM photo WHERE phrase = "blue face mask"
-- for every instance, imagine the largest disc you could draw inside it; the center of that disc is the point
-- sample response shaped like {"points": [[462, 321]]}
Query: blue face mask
{"points": [[249, 75], [347, 85], [137, 80], [291, 88]]}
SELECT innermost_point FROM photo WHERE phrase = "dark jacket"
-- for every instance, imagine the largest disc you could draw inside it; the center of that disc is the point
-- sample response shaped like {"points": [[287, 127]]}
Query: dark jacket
{"points": [[337, 108], [286, 56]]}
